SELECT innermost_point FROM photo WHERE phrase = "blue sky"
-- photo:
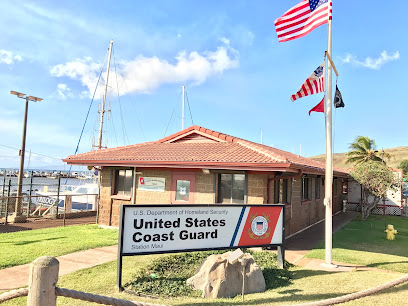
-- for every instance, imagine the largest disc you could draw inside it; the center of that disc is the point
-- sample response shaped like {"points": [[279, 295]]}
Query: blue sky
{"points": [[239, 79]]}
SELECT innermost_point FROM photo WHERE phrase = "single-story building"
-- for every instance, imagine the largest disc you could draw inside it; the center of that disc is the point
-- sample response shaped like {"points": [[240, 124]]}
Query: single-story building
{"points": [[201, 166]]}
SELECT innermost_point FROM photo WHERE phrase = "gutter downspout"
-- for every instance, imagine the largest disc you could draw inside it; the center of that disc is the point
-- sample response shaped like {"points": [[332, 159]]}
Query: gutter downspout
{"points": [[268, 198]]}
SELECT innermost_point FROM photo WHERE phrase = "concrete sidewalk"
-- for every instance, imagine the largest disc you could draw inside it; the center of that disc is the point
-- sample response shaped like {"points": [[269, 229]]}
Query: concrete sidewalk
{"points": [[296, 248], [17, 277]]}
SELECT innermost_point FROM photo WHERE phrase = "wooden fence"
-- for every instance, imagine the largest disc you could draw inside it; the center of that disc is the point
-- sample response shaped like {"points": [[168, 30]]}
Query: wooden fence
{"points": [[42, 288]]}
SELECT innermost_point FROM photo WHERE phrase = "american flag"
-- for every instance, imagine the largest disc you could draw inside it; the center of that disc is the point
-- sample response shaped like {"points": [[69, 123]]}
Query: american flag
{"points": [[302, 19], [313, 84]]}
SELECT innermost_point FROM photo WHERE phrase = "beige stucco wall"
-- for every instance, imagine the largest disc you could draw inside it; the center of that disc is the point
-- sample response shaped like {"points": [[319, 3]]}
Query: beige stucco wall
{"points": [[154, 197], [257, 191], [298, 215], [109, 213]]}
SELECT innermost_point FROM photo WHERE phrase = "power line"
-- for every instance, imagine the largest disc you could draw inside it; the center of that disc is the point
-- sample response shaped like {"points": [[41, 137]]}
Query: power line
{"points": [[31, 152]]}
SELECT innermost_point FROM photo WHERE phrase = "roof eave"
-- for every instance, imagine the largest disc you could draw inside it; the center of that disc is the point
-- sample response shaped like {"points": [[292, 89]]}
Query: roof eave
{"points": [[284, 167]]}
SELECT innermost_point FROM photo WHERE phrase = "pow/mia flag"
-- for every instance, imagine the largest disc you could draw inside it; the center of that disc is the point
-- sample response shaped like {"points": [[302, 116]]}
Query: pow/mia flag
{"points": [[338, 100]]}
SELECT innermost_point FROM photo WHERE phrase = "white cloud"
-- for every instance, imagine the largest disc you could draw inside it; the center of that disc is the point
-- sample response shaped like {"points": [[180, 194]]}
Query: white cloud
{"points": [[371, 63], [144, 74], [64, 92], [7, 57]]}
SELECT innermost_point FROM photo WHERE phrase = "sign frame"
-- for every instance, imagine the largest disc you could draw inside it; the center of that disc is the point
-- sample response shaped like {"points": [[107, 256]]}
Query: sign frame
{"points": [[158, 188], [280, 247]]}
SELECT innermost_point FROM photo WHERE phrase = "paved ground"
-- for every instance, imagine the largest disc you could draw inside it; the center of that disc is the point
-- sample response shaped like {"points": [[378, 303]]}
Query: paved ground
{"points": [[37, 223], [296, 248], [17, 277]]}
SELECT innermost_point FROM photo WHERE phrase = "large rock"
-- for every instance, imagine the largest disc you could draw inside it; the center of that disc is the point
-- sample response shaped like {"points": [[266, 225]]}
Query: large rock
{"points": [[217, 278]]}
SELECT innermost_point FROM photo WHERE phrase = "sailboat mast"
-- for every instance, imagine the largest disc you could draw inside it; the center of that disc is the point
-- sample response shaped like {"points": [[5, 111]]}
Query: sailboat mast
{"points": [[182, 113], [99, 145]]}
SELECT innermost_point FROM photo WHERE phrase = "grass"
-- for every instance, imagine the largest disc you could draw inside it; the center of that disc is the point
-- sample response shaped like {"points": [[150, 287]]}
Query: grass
{"points": [[365, 243], [306, 286], [23, 247], [360, 242]]}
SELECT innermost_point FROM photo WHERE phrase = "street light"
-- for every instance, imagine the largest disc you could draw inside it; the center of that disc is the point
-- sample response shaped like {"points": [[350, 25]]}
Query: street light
{"points": [[18, 206]]}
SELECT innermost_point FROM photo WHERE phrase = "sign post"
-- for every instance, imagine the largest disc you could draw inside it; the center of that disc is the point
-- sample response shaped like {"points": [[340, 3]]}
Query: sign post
{"points": [[152, 229]]}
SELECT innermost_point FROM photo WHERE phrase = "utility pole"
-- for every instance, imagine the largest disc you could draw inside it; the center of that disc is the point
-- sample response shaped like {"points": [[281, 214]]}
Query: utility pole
{"points": [[18, 210]]}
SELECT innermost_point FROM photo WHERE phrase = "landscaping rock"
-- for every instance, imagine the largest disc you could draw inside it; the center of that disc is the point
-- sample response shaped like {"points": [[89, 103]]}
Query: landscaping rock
{"points": [[217, 278]]}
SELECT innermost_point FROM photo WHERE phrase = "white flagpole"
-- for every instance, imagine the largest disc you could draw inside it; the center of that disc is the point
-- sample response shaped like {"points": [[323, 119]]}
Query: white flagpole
{"points": [[328, 184]]}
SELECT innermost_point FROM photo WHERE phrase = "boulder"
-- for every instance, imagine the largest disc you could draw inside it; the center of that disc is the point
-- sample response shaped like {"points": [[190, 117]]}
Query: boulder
{"points": [[217, 278]]}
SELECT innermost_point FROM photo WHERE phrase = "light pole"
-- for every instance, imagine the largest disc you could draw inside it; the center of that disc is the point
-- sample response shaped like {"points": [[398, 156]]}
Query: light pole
{"points": [[18, 217]]}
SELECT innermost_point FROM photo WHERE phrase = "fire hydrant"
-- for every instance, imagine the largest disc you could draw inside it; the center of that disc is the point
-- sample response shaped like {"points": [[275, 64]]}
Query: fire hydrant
{"points": [[391, 232]]}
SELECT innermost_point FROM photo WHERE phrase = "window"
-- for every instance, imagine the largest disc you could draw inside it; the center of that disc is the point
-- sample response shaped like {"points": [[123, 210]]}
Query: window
{"points": [[306, 188], [231, 188], [317, 188], [123, 182], [282, 191]]}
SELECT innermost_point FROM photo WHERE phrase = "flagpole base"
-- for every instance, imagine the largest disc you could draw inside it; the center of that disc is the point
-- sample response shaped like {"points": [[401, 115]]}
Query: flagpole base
{"points": [[330, 266]]}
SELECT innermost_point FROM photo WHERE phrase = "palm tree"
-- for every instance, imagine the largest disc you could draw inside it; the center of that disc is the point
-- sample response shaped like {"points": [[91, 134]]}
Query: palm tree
{"points": [[363, 149]]}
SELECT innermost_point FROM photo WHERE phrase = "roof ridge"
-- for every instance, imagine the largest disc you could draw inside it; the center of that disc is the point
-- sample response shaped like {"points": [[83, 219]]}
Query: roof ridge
{"points": [[221, 136]]}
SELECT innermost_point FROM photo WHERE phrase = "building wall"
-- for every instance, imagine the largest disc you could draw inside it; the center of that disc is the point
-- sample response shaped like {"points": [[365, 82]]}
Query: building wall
{"points": [[299, 215], [154, 197], [109, 212], [257, 191]]}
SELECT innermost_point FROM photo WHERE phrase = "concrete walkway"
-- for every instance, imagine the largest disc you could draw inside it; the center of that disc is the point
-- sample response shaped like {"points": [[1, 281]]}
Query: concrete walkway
{"points": [[17, 277], [296, 248]]}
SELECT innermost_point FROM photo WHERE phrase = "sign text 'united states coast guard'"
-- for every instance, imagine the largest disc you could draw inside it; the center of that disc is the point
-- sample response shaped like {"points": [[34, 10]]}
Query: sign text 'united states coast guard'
{"points": [[173, 228]]}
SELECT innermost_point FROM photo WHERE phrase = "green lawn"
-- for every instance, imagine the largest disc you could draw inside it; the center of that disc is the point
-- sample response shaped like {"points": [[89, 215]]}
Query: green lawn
{"points": [[23, 247], [364, 243], [306, 286], [360, 242]]}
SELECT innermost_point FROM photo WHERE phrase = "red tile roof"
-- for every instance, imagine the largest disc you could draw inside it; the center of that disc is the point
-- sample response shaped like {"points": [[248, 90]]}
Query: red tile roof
{"points": [[218, 150]]}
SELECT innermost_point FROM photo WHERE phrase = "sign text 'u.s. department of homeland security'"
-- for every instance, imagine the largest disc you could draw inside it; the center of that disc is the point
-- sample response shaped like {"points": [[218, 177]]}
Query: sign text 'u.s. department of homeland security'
{"points": [[174, 228]]}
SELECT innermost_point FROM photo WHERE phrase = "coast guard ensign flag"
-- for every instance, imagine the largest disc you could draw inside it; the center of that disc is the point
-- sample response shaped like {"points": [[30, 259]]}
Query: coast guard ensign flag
{"points": [[313, 84], [302, 19]]}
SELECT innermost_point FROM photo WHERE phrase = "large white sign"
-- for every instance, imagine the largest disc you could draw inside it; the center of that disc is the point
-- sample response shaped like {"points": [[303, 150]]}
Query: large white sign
{"points": [[175, 228], [151, 183]]}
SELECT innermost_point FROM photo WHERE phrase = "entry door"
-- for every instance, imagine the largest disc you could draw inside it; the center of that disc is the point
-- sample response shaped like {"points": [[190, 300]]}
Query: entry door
{"points": [[182, 188]]}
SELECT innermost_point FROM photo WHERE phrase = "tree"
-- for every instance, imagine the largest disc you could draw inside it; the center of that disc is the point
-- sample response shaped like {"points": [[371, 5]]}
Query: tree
{"points": [[403, 165], [363, 149], [376, 179]]}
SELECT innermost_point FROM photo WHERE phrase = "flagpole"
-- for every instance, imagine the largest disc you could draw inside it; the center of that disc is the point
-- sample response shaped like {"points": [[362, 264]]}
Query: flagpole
{"points": [[329, 153]]}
